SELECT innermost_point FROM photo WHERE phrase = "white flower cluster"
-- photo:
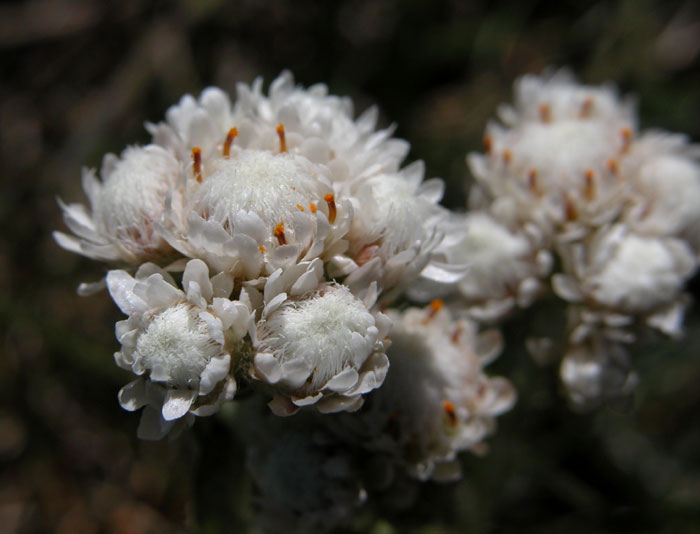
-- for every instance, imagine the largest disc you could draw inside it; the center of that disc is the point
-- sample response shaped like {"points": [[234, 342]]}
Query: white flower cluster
{"points": [[568, 180], [256, 244]]}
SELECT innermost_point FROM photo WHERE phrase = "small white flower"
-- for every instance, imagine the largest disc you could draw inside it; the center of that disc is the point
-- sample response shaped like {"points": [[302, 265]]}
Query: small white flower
{"points": [[436, 400], [256, 211], [125, 208], [180, 343], [665, 187], [398, 224], [322, 347], [556, 163], [624, 272], [505, 267]]}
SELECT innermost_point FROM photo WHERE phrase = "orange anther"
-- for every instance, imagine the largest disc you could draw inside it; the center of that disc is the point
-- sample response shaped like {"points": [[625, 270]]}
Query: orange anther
{"points": [[313, 207], [330, 200], [626, 134], [507, 156], [586, 108], [589, 187], [279, 234], [283, 140], [532, 181], [451, 412], [300, 207], [612, 166], [545, 112], [197, 163], [435, 306], [569, 209], [232, 134], [261, 249], [488, 144]]}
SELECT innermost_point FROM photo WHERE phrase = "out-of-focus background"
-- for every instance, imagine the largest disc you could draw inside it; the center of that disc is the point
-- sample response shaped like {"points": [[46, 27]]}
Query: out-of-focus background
{"points": [[78, 80]]}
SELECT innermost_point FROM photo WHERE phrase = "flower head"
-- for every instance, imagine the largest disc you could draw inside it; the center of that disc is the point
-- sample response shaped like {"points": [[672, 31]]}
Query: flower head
{"points": [[322, 347], [436, 400], [180, 343], [125, 208]]}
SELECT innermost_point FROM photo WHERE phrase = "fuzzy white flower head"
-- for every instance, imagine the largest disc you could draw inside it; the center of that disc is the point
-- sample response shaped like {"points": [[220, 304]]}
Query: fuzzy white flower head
{"points": [[556, 162], [505, 267], [665, 178], [436, 400], [258, 210], [125, 206], [179, 343], [626, 273], [323, 347], [398, 223]]}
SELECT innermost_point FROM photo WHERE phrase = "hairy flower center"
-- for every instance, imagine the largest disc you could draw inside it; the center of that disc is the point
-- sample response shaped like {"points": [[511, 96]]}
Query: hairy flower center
{"points": [[176, 346], [132, 196], [329, 331], [276, 187]]}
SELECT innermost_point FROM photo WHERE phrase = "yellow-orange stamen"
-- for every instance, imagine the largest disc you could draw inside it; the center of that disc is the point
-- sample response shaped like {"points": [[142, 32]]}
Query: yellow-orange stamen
{"points": [[589, 188], [569, 209], [330, 200], [586, 108], [451, 412], [612, 165], [261, 249], [279, 234], [300, 207], [507, 156], [232, 134], [197, 163], [435, 306], [313, 207], [626, 134], [488, 144], [545, 112], [532, 181], [283, 139]]}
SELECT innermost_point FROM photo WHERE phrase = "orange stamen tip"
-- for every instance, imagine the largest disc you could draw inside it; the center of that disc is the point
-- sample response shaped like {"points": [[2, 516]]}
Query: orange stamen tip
{"points": [[589, 189], [507, 155], [197, 163], [279, 234], [330, 200], [450, 411], [313, 207], [232, 134], [435, 306], [532, 180], [300, 207], [545, 112], [283, 139], [488, 144], [569, 209], [612, 165], [261, 249], [586, 107]]}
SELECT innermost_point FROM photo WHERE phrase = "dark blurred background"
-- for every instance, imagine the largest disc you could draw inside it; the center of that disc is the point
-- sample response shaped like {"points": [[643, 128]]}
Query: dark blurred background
{"points": [[79, 78]]}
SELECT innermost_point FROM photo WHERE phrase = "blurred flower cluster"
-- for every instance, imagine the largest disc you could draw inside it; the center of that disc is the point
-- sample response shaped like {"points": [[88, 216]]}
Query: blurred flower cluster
{"points": [[268, 249]]}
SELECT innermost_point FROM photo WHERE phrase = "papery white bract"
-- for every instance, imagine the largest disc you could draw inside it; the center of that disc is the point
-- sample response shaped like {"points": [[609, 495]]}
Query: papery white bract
{"points": [[323, 348], [125, 207], [180, 343], [436, 400]]}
